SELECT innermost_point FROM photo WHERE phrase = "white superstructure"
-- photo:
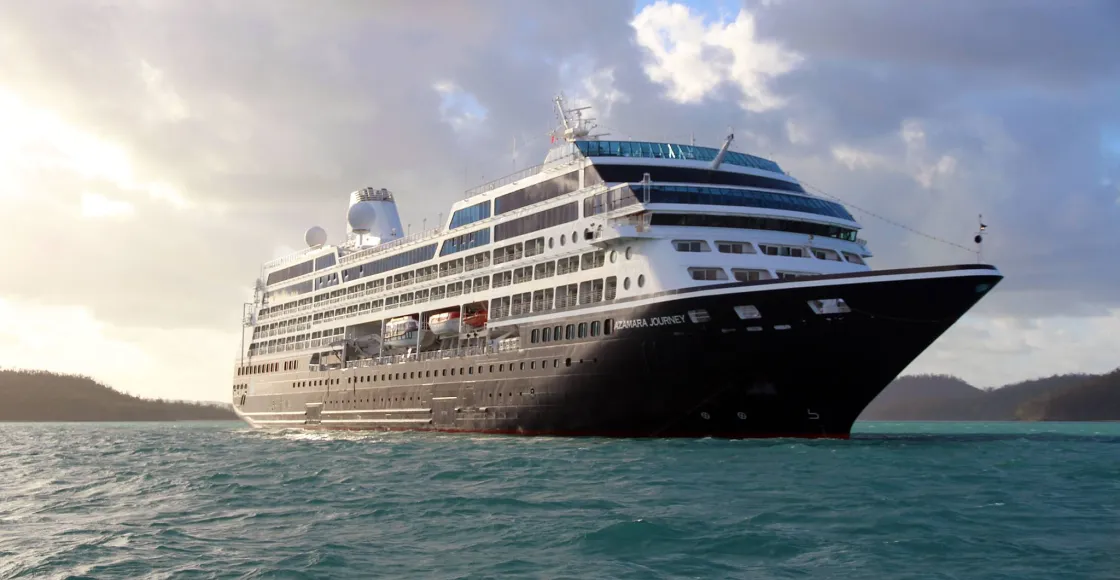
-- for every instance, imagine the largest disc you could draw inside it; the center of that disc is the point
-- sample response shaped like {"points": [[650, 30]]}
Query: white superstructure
{"points": [[599, 221]]}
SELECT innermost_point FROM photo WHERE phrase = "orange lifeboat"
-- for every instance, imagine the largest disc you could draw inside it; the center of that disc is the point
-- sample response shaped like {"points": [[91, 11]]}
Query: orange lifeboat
{"points": [[475, 320]]}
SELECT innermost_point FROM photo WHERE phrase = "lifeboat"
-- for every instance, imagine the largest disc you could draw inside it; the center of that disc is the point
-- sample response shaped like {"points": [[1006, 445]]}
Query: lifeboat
{"points": [[475, 320], [444, 323], [400, 332]]}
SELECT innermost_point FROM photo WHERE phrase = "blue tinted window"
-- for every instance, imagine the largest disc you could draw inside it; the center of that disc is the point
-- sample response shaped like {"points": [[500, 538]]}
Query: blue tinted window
{"points": [[744, 198], [469, 215], [465, 242], [671, 150], [393, 262]]}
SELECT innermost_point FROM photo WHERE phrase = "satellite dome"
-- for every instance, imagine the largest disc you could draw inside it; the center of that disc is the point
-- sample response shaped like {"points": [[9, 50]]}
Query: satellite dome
{"points": [[362, 216], [315, 236]]}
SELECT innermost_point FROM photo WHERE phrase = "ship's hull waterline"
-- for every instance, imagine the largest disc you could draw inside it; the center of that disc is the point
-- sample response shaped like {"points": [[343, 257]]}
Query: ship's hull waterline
{"points": [[663, 371]]}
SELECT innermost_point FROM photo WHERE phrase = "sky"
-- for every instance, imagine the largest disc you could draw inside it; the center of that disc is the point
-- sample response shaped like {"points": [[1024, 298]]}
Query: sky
{"points": [[153, 154]]}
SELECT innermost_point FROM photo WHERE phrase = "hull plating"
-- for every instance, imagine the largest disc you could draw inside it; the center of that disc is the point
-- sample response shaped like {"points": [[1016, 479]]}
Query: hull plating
{"points": [[666, 370]]}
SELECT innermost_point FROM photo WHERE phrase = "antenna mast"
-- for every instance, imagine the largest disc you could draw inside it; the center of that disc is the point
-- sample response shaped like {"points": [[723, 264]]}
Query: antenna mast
{"points": [[573, 126]]}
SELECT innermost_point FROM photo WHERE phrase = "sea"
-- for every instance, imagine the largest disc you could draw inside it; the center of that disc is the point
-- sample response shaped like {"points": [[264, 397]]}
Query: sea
{"points": [[899, 500]]}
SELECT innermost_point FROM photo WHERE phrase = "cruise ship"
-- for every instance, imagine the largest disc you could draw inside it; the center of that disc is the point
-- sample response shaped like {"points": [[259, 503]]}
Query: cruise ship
{"points": [[620, 289]]}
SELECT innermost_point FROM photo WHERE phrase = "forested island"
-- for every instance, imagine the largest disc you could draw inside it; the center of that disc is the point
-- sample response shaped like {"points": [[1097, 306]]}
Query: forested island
{"points": [[46, 396], [1076, 397]]}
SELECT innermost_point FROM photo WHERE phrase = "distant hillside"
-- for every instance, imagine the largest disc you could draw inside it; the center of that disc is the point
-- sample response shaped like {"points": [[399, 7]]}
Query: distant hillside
{"points": [[44, 396], [1077, 397]]}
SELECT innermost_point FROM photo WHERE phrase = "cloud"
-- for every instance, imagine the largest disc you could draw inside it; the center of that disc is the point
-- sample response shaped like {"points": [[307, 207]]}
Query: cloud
{"points": [[693, 59], [995, 351], [459, 108], [228, 129], [169, 363], [95, 205]]}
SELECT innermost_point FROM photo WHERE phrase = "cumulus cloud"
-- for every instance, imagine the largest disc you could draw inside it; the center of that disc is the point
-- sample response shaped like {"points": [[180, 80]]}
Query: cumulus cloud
{"points": [[693, 59], [161, 152]]}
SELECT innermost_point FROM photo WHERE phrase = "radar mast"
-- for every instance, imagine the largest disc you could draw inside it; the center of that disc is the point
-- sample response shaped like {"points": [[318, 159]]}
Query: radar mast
{"points": [[573, 127]]}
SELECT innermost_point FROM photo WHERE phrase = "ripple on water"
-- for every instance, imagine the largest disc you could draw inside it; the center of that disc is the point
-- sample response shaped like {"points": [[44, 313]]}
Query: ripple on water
{"points": [[219, 500]]}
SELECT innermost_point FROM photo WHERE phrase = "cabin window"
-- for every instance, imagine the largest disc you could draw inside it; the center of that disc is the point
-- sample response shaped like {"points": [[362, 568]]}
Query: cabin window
{"points": [[470, 370], [556, 333], [582, 330], [854, 258], [608, 326], [691, 246], [611, 288], [641, 280], [546, 334], [452, 372], [744, 275], [626, 283], [534, 247], [544, 270], [569, 332], [735, 247], [707, 274], [826, 254], [596, 327], [791, 251], [536, 336], [593, 260], [791, 275]]}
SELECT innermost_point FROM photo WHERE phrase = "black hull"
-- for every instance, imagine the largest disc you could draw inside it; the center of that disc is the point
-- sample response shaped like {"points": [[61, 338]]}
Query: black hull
{"points": [[790, 373]]}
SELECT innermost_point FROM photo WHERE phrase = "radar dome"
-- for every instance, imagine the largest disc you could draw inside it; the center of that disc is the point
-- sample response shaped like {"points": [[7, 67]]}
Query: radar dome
{"points": [[315, 236], [362, 216]]}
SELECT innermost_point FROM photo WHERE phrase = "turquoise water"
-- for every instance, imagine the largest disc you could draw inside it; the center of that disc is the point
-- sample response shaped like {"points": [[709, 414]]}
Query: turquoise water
{"points": [[902, 500]]}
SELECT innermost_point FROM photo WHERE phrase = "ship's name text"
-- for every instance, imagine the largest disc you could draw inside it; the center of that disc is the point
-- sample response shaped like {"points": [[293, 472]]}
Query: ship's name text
{"points": [[648, 322]]}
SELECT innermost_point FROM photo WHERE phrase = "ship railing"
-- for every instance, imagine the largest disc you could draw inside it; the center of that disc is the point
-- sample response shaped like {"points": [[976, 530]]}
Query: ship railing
{"points": [[450, 271], [289, 258], [522, 174], [361, 254]]}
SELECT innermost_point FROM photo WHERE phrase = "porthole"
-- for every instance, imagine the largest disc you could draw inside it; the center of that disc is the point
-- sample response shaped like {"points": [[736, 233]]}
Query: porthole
{"points": [[575, 236], [629, 252], [614, 256], [641, 280], [626, 283], [550, 243], [561, 239]]}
